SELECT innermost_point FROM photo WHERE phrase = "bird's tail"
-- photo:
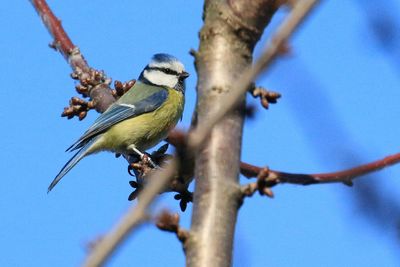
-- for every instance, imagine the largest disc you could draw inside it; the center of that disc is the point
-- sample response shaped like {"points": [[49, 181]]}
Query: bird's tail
{"points": [[71, 163]]}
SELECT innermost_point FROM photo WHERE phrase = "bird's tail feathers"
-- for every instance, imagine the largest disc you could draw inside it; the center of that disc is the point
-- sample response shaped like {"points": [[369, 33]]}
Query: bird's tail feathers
{"points": [[71, 163]]}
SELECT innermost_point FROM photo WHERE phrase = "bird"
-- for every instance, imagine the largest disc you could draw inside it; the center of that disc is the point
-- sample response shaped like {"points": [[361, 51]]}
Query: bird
{"points": [[139, 119]]}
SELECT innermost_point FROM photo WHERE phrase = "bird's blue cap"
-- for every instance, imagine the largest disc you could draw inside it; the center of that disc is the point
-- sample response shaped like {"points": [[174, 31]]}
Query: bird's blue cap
{"points": [[162, 57]]}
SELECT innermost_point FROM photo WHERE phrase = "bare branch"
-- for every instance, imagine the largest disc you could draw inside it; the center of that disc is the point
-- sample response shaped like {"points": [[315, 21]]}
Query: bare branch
{"points": [[346, 176], [297, 15], [131, 220]]}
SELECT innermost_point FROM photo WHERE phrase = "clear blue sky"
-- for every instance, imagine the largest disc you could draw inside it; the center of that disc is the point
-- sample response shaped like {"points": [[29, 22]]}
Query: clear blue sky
{"points": [[340, 107]]}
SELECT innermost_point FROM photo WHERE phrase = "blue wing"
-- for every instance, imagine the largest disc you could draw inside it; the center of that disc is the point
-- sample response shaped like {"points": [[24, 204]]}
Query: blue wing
{"points": [[119, 112]]}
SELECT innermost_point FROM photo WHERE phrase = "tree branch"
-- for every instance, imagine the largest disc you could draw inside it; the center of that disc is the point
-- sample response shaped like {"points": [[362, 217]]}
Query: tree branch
{"points": [[346, 176]]}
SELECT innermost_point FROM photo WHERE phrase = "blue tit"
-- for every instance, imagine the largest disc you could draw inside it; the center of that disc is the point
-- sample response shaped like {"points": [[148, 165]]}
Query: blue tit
{"points": [[140, 119]]}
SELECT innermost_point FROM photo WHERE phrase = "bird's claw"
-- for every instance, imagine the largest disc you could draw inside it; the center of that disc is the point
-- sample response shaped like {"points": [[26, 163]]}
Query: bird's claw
{"points": [[147, 160]]}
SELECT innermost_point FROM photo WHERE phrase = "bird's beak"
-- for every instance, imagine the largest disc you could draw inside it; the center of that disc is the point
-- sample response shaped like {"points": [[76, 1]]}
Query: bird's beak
{"points": [[184, 75]]}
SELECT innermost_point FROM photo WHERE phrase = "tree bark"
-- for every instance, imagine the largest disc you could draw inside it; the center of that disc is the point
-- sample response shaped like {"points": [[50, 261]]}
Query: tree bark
{"points": [[231, 30]]}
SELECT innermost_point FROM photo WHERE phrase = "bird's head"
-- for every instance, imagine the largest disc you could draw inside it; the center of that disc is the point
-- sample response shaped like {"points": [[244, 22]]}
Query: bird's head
{"points": [[165, 70]]}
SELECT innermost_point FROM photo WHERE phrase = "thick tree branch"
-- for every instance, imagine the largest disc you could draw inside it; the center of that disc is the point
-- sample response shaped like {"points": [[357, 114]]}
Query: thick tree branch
{"points": [[227, 39], [346, 176]]}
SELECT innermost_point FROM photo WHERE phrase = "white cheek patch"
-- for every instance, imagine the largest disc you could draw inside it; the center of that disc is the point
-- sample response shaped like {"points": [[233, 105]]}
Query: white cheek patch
{"points": [[160, 78]]}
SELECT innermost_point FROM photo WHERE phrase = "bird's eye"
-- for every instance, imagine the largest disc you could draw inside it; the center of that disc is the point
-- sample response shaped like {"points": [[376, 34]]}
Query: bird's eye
{"points": [[168, 71]]}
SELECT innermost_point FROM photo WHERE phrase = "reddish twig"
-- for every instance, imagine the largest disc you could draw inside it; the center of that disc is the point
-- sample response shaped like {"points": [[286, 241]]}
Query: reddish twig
{"points": [[93, 83], [273, 177], [61, 40], [346, 176]]}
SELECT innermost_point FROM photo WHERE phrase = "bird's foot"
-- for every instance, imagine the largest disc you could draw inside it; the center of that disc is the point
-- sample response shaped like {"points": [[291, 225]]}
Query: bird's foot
{"points": [[145, 158], [139, 166]]}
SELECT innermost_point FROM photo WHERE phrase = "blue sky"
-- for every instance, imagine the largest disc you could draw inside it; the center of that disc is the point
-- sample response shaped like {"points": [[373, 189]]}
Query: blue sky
{"points": [[340, 107]]}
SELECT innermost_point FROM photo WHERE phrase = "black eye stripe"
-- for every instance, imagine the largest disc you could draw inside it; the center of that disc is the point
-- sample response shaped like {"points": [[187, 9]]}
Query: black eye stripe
{"points": [[165, 70]]}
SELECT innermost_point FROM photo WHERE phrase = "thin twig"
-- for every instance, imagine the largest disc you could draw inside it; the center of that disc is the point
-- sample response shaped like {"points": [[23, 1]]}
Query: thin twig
{"points": [[132, 219], [274, 177], [272, 49], [346, 176]]}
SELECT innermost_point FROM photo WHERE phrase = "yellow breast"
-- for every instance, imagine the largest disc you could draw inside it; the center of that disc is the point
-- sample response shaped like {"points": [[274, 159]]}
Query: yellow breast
{"points": [[146, 130]]}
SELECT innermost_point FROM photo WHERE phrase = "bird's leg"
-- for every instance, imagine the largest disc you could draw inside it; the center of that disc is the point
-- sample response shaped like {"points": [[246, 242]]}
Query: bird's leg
{"points": [[142, 155]]}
